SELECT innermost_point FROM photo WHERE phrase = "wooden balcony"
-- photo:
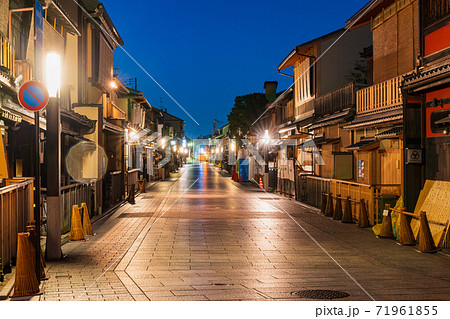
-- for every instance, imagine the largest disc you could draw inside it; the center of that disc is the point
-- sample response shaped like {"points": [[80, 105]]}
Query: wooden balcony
{"points": [[7, 55], [435, 11], [113, 112], [16, 210], [25, 69], [337, 100], [379, 97], [288, 112]]}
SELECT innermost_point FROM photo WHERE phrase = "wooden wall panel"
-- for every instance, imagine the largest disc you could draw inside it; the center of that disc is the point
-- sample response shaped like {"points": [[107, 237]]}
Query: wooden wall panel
{"points": [[390, 169]]}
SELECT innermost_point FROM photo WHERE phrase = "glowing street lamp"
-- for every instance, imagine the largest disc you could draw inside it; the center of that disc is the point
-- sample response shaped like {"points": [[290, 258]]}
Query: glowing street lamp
{"points": [[233, 146], [53, 148], [53, 74], [266, 137], [266, 141]]}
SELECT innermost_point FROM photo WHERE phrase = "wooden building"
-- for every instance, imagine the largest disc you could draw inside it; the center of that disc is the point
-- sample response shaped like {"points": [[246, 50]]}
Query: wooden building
{"points": [[377, 129], [324, 73], [427, 103], [95, 94]]}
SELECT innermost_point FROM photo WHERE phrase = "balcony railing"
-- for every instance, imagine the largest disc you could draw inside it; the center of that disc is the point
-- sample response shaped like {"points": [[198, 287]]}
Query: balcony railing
{"points": [[288, 114], [337, 100], [73, 194], [25, 69], [16, 210], [113, 189], [310, 189], [132, 179], [379, 97], [114, 112], [435, 11], [7, 55]]}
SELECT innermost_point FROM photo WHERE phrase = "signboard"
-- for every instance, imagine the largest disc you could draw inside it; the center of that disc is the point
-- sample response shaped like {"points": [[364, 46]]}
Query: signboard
{"points": [[39, 41], [3, 163], [150, 161], [413, 156], [361, 169], [33, 96], [10, 116]]}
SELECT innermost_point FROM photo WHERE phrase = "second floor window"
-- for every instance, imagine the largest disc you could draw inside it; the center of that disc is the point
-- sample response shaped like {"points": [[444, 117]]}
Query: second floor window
{"points": [[303, 81]]}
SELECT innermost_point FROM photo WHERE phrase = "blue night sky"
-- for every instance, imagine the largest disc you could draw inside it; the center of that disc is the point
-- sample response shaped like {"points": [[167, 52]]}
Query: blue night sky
{"points": [[205, 53]]}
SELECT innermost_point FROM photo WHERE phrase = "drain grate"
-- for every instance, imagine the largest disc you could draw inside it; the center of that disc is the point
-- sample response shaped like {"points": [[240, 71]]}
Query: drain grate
{"points": [[320, 294], [135, 215]]}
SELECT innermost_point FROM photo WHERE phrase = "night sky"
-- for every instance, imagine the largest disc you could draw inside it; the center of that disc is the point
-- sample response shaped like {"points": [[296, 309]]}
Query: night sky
{"points": [[205, 53]]}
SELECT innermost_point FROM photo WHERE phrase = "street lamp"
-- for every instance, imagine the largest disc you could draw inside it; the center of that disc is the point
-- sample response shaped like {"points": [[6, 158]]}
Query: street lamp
{"points": [[233, 146], [53, 74], [53, 149], [266, 141], [266, 137], [132, 136]]}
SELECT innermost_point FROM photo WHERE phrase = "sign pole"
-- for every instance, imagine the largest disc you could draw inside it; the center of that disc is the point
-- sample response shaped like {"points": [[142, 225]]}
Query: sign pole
{"points": [[37, 195], [34, 97]]}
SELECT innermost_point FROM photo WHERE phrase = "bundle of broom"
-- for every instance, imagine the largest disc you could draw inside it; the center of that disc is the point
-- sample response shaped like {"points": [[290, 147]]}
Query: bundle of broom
{"points": [[26, 283]]}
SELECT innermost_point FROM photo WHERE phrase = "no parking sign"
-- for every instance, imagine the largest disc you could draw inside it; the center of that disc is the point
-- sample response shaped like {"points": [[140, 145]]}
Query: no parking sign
{"points": [[33, 96]]}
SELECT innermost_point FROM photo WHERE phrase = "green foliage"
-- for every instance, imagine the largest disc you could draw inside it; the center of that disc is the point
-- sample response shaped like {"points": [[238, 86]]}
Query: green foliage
{"points": [[359, 73], [246, 110]]}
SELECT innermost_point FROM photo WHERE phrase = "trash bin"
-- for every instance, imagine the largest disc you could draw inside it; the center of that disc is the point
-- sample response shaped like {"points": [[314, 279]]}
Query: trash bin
{"points": [[382, 201]]}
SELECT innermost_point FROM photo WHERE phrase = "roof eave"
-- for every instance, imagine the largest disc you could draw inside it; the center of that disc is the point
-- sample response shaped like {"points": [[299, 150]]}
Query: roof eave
{"points": [[286, 59], [304, 47]]}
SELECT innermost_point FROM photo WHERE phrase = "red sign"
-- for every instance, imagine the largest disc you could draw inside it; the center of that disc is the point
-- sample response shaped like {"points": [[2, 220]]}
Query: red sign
{"points": [[33, 96], [436, 113]]}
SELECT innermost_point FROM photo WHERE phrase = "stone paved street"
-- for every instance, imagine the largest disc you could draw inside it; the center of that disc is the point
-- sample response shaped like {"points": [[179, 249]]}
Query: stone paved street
{"points": [[202, 236]]}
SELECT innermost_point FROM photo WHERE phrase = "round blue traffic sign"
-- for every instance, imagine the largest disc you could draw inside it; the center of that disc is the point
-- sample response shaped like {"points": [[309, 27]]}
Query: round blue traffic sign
{"points": [[33, 96]]}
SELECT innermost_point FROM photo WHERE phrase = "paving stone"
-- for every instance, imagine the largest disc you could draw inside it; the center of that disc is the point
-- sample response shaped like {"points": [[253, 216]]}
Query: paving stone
{"points": [[221, 242]]}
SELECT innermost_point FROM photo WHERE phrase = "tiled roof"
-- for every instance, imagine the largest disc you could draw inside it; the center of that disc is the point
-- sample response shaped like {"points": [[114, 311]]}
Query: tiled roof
{"points": [[361, 144], [391, 132], [327, 140], [332, 119], [375, 118], [427, 73]]}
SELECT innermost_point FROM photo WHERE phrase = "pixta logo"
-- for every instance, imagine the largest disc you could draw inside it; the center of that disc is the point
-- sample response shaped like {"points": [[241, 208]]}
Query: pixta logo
{"points": [[217, 150], [213, 150], [137, 144]]}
